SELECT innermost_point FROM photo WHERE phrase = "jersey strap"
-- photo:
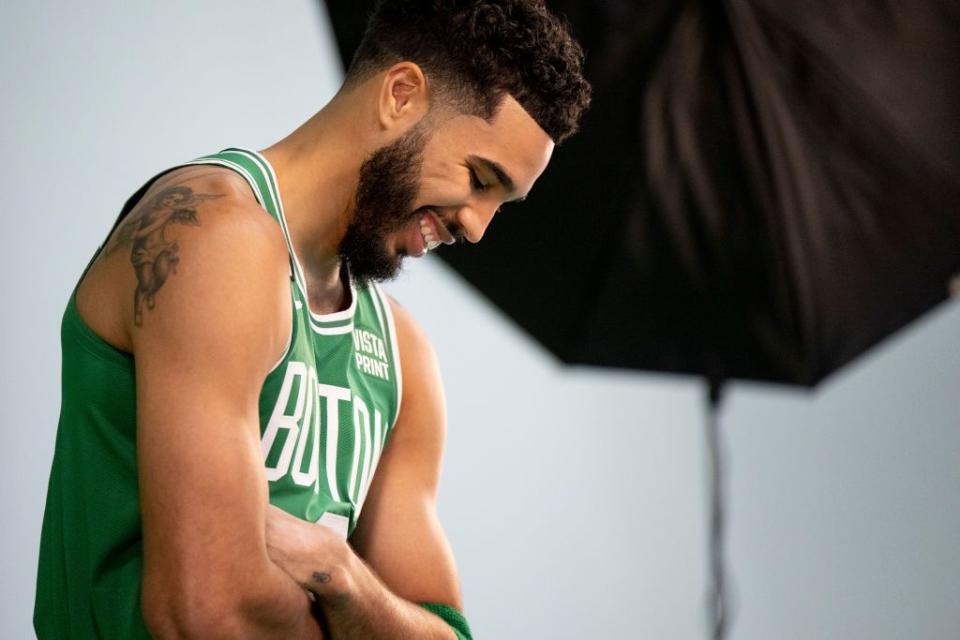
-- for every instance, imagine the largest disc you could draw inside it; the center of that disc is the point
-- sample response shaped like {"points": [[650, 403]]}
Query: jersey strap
{"points": [[260, 176]]}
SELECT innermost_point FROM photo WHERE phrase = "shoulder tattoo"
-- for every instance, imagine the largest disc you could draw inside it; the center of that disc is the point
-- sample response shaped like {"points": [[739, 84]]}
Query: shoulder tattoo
{"points": [[153, 256]]}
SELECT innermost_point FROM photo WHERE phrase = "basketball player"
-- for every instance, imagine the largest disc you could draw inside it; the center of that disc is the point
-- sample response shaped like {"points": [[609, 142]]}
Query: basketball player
{"points": [[233, 375]]}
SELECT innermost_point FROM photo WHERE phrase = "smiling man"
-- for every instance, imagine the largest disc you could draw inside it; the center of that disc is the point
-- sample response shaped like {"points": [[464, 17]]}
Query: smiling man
{"points": [[251, 430]]}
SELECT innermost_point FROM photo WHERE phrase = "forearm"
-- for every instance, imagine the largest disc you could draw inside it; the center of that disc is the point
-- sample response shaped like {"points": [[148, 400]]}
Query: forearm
{"points": [[366, 609]]}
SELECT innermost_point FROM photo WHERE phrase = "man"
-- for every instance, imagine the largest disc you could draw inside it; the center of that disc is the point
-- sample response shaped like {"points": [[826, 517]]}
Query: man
{"points": [[232, 373]]}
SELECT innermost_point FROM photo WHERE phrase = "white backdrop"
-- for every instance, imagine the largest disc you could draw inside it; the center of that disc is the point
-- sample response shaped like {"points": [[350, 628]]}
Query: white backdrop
{"points": [[575, 500]]}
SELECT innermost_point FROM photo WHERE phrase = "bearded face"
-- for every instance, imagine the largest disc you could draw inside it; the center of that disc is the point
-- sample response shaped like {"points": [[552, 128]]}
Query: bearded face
{"points": [[387, 187]]}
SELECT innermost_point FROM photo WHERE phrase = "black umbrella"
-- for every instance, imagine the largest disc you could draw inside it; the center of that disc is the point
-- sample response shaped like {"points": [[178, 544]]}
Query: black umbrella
{"points": [[762, 189]]}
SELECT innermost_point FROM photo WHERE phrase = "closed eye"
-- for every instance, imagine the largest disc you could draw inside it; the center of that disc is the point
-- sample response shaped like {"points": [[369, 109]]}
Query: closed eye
{"points": [[475, 182]]}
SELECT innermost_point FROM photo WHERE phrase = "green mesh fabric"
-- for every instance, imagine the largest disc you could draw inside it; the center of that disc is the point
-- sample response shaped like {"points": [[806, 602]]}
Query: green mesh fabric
{"points": [[452, 617]]}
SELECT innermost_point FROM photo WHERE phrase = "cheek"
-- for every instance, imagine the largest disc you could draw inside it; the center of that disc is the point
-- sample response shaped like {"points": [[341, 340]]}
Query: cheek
{"points": [[441, 190]]}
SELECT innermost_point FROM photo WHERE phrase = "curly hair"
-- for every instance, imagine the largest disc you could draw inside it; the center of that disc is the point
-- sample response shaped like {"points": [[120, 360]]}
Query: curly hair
{"points": [[475, 53]]}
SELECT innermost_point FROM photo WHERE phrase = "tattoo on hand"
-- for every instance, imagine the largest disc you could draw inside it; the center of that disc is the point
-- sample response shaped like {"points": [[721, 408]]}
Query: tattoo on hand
{"points": [[155, 258], [322, 578]]}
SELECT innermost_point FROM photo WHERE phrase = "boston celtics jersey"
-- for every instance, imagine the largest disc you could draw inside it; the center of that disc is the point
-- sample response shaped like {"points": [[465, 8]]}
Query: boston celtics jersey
{"points": [[327, 410]]}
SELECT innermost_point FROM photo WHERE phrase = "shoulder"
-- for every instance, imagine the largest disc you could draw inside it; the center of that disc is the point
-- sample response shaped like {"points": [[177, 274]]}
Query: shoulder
{"points": [[194, 205], [215, 200], [196, 234], [209, 219], [203, 259]]}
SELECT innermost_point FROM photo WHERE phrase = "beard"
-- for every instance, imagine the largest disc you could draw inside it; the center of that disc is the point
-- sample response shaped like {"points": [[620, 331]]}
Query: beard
{"points": [[387, 186]]}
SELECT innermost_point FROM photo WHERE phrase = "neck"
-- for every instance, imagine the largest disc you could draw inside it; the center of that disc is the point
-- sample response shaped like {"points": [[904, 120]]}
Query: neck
{"points": [[317, 168]]}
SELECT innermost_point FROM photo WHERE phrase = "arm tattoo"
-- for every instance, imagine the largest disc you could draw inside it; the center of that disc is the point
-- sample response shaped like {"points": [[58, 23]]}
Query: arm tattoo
{"points": [[155, 258], [317, 579]]}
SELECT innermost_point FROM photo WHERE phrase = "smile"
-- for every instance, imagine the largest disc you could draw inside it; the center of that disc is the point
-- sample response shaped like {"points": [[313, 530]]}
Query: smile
{"points": [[433, 231]]}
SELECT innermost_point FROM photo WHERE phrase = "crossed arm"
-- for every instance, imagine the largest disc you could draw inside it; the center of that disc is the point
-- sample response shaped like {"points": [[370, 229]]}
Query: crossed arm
{"points": [[219, 562]]}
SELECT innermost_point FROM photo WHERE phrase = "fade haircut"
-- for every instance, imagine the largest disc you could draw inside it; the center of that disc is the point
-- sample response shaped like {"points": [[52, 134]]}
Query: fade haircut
{"points": [[475, 53]]}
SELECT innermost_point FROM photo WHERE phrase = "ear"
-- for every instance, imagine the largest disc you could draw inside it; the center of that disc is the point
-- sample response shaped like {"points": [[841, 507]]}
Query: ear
{"points": [[404, 96]]}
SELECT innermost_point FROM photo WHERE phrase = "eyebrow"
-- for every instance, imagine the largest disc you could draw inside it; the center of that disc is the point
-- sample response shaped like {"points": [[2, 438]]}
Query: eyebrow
{"points": [[497, 170]]}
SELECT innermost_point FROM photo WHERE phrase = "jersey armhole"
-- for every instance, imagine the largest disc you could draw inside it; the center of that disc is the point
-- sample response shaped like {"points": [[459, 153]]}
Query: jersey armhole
{"points": [[293, 328]]}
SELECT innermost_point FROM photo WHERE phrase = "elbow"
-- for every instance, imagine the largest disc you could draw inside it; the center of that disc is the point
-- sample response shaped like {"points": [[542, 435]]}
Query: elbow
{"points": [[174, 615], [191, 607], [188, 609]]}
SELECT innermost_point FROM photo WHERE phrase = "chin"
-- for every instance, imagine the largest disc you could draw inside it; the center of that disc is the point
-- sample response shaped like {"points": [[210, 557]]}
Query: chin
{"points": [[386, 267]]}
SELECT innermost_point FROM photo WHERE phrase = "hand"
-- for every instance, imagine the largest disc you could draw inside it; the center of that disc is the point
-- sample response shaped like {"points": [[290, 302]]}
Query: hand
{"points": [[351, 603], [316, 557]]}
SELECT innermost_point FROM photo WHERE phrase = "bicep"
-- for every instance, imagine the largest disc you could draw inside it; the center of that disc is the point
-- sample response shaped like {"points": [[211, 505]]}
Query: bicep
{"points": [[399, 534], [201, 353]]}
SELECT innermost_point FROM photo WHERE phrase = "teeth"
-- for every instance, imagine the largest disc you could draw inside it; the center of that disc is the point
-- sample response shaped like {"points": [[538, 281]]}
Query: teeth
{"points": [[430, 243]]}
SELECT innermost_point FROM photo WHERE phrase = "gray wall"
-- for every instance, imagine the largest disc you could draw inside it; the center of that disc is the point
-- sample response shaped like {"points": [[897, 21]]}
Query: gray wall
{"points": [[574, 499]]}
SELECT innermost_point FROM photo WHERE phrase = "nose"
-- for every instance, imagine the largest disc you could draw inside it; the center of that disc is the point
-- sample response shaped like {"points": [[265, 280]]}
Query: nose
{"points": [[475, 218]]}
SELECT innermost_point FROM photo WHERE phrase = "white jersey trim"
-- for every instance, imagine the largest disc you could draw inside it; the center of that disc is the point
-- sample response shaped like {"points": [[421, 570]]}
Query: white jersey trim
{"points": [[375, 299], [239, 169], [331, 331], [394, 346]]}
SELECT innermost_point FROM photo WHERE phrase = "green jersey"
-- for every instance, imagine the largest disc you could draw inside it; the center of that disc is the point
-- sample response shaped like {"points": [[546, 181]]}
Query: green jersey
{"points": [[327, 409]]}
